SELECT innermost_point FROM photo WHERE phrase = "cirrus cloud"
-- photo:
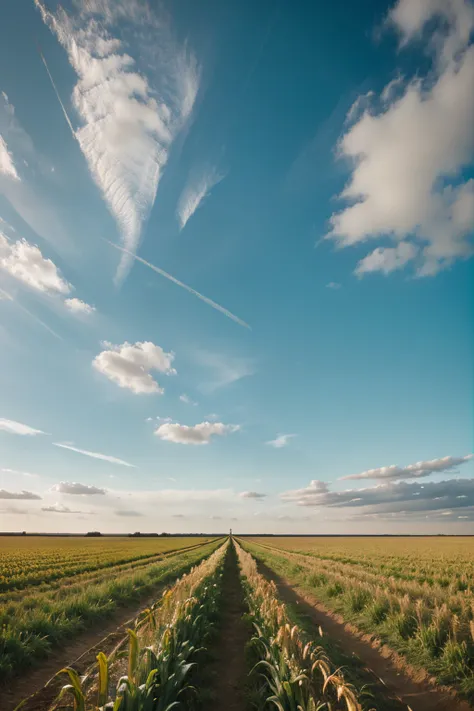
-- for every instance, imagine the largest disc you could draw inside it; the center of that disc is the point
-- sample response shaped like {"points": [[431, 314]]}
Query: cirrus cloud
{"points": [[18, 428], [94, 455]]}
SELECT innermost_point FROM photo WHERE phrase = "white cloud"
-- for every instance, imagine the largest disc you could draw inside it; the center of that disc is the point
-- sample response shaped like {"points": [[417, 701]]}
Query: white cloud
{"points": [[187, 400], [281, 441], [76, 489], [6, 470], [130, 111], [412, 471], [226, 369], [60, 508], [25, 262], [196, 434], [387, 259], [7, 166], [333, 285], [315, 489], [18, 428], [194, 193], [409, 152], [129, 365], [252, 495], [79, 307], [19, 495], [94, 455]]}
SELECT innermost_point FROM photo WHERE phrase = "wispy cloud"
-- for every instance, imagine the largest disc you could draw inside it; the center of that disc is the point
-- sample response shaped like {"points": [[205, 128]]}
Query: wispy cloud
{"points": [[226, 369], [207, 301], [7, 166], [94, 455], [130, 108], [195, 192], [252, 495], [13, 427], [281, 441], [187, 400]]}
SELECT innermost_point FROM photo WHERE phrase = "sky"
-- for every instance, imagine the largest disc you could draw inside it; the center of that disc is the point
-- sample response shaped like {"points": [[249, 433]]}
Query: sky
{"points": [[236, 266]]}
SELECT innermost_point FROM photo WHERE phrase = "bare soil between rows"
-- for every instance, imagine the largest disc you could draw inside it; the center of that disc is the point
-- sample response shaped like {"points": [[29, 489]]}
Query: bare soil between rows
{"points": [[418, 694], [229, 671]]}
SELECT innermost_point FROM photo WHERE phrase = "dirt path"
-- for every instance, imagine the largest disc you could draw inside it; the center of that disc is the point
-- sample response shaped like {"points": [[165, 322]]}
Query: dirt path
{"points": [[417, 695], [229, 670]]}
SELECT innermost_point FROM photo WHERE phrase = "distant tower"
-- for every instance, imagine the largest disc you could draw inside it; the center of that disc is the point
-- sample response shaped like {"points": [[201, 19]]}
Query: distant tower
{"points": [[230, 533]]}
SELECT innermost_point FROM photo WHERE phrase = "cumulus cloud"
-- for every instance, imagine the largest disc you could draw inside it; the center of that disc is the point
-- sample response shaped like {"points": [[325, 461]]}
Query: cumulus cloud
{"points": [[130, 109], [252, 495], [25, 495], [7, 166], [76, 489], [61, 509], [25, 262], [129, 365], [79, 307], [195, 192], [94, 455], [333, 285], [387, 259], [409, 150], [18, 428], [281, 441], [187, 400], [195, 434], [315, 489], [412, 471]]}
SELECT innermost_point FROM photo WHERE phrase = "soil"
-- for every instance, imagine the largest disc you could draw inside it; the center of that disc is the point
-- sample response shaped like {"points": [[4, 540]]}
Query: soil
{"points": [[416, 694], [229, 670]]}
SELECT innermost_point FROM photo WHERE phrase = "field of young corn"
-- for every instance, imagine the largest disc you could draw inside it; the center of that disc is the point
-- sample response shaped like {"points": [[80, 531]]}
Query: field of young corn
{"points": [[161, 664], [413, 594], [52, 589]]}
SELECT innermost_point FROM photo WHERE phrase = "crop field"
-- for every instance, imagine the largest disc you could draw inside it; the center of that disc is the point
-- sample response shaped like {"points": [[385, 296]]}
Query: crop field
{"points": [[241, 623], [413, 594], [51, 589]]}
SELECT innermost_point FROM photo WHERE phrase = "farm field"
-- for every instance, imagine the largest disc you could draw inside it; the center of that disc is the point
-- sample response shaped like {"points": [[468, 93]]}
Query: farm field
{"points": [[413, 594], [52, 589], [196, 649]]}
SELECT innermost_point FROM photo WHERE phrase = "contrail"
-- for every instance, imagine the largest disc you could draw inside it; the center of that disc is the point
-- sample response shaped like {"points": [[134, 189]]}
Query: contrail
{"points": [[7, 296], [184, 286], [57, 94]]}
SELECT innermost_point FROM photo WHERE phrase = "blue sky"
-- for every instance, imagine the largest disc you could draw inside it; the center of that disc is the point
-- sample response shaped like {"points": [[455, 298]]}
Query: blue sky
{"points": [[235, 246]]}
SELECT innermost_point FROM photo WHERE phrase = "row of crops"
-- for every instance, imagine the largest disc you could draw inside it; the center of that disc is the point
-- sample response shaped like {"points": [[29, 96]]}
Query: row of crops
{"points": [[162, 663], [37, 619], [424, 612]]}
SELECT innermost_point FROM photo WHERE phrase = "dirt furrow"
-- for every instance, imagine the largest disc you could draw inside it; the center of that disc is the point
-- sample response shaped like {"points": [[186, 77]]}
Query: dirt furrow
{"points": [[228, 671], [417, 694]]}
